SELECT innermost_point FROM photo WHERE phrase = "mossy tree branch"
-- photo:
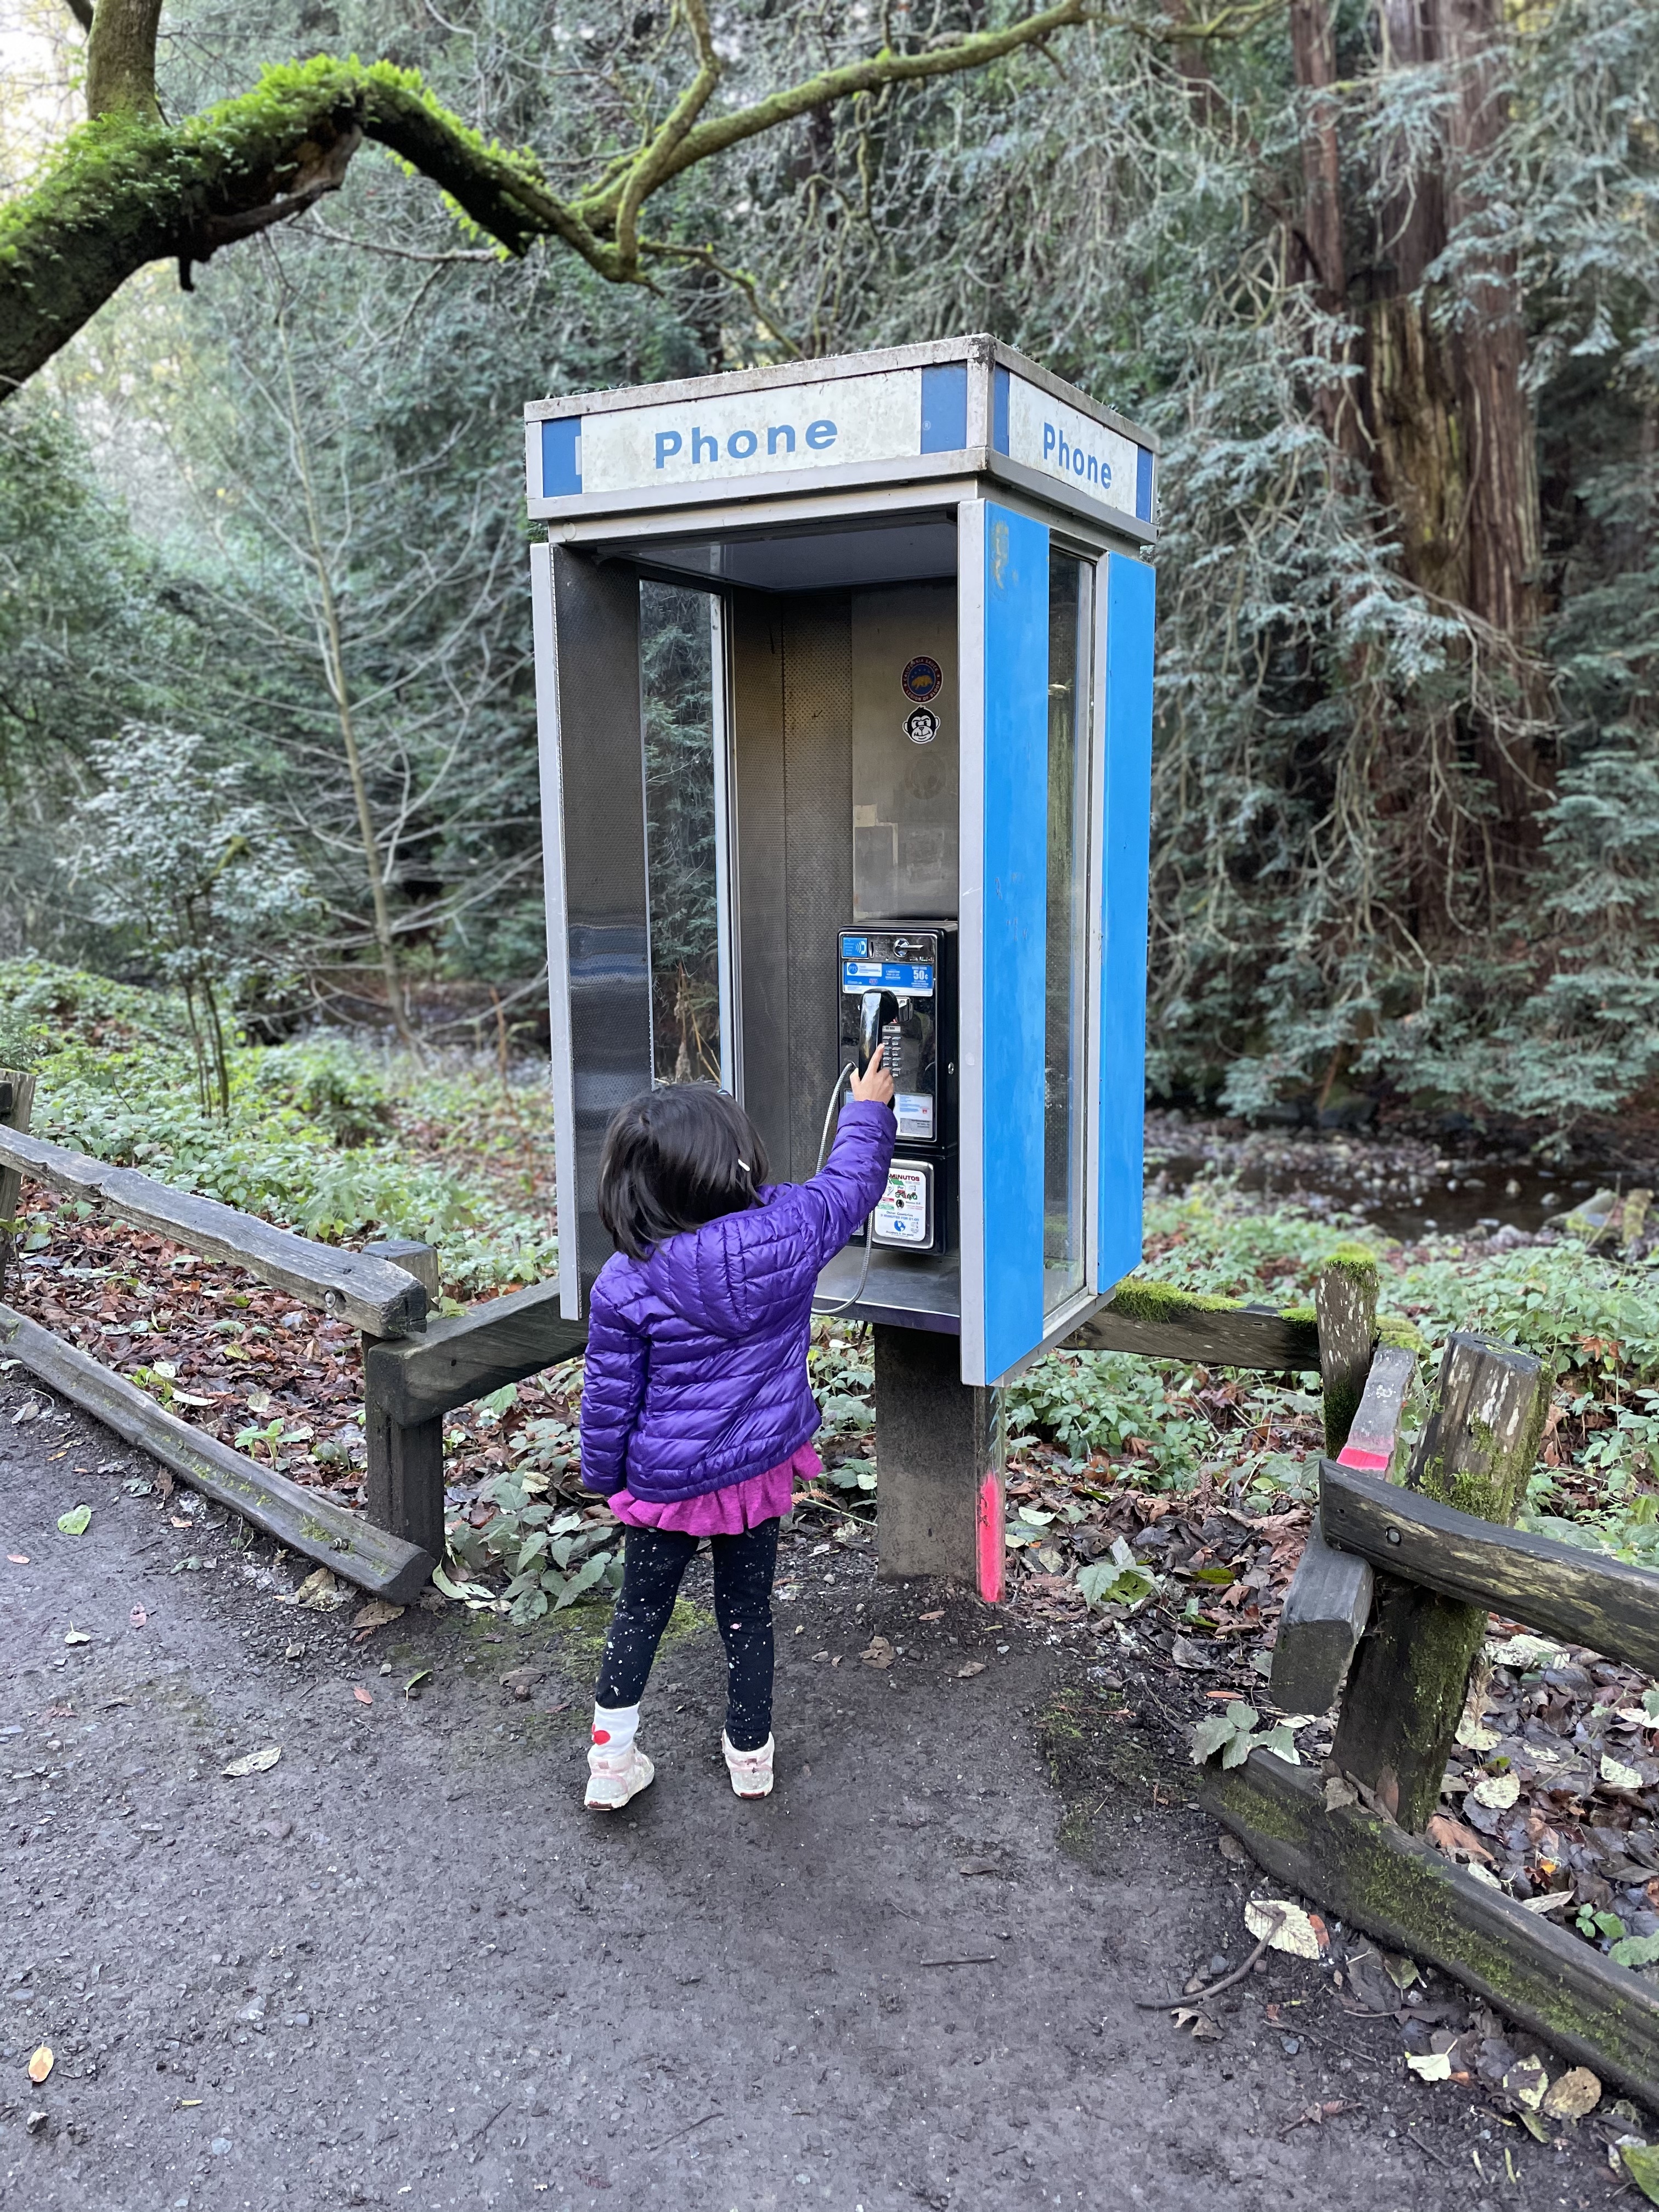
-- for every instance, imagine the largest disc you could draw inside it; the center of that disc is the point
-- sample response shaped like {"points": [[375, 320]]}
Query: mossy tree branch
{"points": [[127, 189]]}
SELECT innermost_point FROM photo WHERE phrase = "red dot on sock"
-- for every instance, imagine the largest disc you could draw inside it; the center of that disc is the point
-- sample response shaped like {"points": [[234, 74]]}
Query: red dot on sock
{"points": [[601, 1735]]}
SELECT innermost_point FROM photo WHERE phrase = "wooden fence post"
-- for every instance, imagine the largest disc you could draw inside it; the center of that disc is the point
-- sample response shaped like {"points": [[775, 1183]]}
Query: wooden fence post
{"points": [[1344, 1300], [405, 1484], [1410, 1675], [1329, 1600], [16, 1103]]}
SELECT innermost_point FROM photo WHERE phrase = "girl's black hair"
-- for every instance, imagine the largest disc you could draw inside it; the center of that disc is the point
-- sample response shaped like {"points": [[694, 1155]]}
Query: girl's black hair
{"points": [[675, 1158]]}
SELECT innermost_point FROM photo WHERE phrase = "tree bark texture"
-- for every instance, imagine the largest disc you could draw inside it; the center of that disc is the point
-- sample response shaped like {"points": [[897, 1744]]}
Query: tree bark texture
{"points": [[1313, 48], [121, 58], [1450, 427]]}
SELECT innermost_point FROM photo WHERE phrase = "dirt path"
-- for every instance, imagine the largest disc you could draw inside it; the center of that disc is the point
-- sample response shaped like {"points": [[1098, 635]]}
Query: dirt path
{"points": [[404, 1965]]}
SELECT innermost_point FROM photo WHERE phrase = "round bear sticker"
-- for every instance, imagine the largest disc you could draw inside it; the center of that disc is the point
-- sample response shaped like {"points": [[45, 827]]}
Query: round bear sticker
{"points": [[923, 679], [921, 727]]}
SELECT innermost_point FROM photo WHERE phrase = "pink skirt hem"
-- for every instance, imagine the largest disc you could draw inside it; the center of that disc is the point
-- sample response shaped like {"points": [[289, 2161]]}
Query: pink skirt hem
{"points": [[726, 1513]]}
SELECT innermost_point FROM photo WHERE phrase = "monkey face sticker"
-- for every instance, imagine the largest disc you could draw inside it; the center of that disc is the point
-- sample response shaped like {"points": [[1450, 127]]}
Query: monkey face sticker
{"points": [[921, 727]]}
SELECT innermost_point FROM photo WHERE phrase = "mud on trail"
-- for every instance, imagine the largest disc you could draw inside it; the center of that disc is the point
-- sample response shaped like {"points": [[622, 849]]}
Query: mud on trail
{"points": [[404, 1965]]}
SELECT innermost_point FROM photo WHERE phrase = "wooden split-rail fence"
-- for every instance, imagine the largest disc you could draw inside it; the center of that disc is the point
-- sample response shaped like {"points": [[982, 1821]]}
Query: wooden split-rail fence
{"points": [[1409, 1557], [1387, 1611], [418, 1366]]}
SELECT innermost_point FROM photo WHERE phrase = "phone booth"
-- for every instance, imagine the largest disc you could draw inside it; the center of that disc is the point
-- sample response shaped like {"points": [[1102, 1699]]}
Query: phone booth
{"points": [[844, 676]]}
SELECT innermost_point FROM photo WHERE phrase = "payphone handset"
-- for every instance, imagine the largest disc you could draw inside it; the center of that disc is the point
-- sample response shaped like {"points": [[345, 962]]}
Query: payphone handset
{"points": [[897, 989]]}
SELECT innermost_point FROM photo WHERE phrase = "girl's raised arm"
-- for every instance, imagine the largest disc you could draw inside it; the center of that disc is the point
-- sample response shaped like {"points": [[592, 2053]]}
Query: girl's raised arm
{"points": [[855, 1173]]}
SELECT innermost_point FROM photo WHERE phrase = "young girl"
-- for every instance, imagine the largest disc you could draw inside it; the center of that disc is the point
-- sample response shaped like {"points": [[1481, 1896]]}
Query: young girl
{"points": [[697, 1414]]}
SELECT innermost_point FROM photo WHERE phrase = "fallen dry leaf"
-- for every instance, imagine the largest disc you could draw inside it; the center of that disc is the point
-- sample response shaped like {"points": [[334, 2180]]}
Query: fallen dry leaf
{"points": [[41, 2064], [1572, 2096], [363, 1697], [1474, 1735], [319, 1593], [138, 1616], [18, 1558], [878, 1652], [1451, 1836], [1315, 2116], [1430, 2065], [969, 1667], [1202, 2028], [1293, 1932], [254, 1762], [931, 1616], [1526, 2081], [376, 1614], [1497, 1792], [1191, 1656]]}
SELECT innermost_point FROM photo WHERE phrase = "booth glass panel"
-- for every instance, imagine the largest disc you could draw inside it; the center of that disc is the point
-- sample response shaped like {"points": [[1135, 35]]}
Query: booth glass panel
{"points": [[676, 695], [1065, 1022]]}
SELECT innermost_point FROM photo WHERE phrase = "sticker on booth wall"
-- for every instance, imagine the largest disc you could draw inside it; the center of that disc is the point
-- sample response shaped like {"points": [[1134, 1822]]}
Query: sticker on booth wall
{"points": [[921, 727], [923, 679]]}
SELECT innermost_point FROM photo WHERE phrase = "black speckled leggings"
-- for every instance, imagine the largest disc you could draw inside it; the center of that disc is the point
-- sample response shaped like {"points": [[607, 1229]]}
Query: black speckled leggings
{"points": [[653, 1562]]}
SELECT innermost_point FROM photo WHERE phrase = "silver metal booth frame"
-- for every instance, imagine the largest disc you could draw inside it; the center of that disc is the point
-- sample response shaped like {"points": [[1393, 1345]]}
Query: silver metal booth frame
{"points": [[950, 516]]}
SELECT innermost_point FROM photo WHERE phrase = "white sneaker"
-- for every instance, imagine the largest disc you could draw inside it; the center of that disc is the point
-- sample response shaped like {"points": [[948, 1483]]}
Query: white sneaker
{"points": [[751, 1771], [614, 1777]]}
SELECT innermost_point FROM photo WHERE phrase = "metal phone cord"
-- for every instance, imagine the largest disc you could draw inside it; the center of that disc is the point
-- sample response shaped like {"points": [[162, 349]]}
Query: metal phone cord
{"points": [[841, 1306]]}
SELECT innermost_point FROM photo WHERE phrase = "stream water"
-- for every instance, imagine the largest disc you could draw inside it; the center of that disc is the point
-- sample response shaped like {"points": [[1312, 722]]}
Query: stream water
{"points": [[1403, 1190]]}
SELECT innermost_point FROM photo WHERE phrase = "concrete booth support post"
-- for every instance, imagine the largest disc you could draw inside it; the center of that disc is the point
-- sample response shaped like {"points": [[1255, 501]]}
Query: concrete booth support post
{"points": [[942, 1452], [844, 678]]}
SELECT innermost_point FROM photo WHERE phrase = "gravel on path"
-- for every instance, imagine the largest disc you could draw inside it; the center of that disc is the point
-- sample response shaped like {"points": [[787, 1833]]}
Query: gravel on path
{"points": [[402, 1966]]}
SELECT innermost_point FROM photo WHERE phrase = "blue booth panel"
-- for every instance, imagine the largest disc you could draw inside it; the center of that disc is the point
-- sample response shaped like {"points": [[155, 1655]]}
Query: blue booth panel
{"points": [[1122, 1067], [1003, 1202]]}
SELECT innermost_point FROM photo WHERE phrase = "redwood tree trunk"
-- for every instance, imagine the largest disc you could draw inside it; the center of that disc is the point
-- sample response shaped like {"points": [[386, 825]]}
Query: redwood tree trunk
{"points": [[1320, 235], [1449, 428]]}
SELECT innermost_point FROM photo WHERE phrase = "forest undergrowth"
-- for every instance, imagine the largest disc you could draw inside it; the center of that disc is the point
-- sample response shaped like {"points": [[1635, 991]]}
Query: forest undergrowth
{"points": [[1155, 1509]]}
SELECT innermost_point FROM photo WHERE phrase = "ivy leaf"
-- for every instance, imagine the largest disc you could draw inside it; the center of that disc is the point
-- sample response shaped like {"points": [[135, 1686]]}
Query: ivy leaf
{"points": [[1210, 1735], [1282, 1744]]}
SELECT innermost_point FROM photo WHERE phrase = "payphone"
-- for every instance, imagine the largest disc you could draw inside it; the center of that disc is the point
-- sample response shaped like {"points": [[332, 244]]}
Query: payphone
{"points": [[898, 990], [844, 687]]}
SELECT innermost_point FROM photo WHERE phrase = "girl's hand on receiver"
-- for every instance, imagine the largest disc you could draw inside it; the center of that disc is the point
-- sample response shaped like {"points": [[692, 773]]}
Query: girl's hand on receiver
{"points": [[875, 1085]]}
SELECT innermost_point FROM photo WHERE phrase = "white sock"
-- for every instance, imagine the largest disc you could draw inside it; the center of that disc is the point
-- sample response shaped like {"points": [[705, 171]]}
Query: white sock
{"points": [[615, 1727]]}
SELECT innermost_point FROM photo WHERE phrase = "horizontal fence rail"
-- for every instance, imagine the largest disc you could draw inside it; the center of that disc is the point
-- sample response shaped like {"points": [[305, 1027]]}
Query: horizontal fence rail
{"points": [[371, 1294], [315, 1527], [1606, 1605]]}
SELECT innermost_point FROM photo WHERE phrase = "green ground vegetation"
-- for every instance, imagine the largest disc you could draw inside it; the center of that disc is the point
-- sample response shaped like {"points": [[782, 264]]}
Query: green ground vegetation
{"points": [[325, 1135]]}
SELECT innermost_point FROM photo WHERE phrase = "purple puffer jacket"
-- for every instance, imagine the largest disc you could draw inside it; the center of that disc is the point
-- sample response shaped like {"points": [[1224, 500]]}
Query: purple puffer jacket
{"points": [[696, 1357]]}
